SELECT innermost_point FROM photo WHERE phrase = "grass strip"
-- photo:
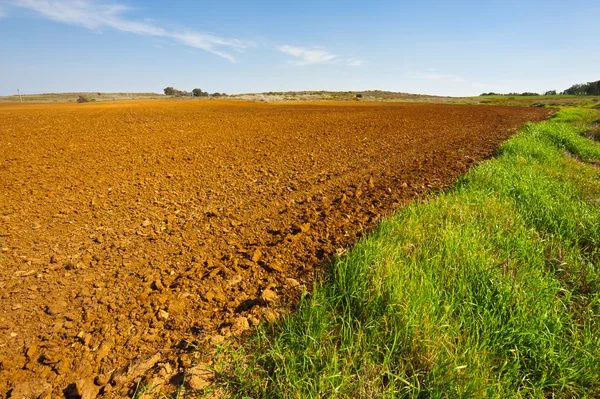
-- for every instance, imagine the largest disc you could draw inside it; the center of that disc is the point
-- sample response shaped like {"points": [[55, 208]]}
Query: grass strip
{"points": [[487, 290]]}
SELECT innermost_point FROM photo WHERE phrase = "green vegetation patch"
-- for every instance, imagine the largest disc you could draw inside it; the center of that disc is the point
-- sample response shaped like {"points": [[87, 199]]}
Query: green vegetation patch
{"points": [[488, 290]]}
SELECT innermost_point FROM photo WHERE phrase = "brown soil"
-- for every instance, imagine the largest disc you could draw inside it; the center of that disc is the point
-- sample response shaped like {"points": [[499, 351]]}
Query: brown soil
{"points": [[130, 229]]}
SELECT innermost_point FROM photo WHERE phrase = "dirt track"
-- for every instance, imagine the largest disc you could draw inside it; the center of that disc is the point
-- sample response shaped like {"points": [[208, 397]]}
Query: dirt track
{"points": [[129, 228]]}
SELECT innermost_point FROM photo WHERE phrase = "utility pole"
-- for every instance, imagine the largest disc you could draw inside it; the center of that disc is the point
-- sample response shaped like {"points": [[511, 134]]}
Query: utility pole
{"points": [[19, 93]]}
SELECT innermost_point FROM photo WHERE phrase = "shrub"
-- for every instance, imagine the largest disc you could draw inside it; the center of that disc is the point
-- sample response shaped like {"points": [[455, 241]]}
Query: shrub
{"points": [[82, 99]]}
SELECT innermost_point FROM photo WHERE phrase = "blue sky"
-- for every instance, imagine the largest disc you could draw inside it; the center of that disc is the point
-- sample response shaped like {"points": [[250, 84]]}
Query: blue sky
{"points": [[430, 47]]}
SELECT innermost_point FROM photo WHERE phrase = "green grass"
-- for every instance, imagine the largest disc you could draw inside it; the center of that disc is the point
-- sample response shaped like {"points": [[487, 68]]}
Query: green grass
{"points": [[559, 100], [488, 290]]}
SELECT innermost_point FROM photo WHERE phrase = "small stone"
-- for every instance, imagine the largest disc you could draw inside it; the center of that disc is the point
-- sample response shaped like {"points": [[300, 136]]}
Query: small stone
{"points": [[270, 315], [101, 380], [292, 282], [199, 377], [256, 256], [55, 308], [158, 285], [137, 368], [168, 368], [217, 339], [146, 223], [105, 348], [304, 227], [38, 389], [86, 389], [235, 280], [163, 315], [197, 383], [61, 367], [240, 325], [268, 296], [185, 361], [31, 351], [276, 266]]}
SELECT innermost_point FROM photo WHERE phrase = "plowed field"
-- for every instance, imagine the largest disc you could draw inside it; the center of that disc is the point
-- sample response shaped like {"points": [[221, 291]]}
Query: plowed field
{"points": [[130, 230]]}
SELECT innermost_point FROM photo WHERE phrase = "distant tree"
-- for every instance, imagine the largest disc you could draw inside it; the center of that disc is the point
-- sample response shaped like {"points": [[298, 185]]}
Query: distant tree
{"points": [[550, 93], [359, 95], [169, 91], [216, 94], [197, 92], [528, 93], [583, 89]]}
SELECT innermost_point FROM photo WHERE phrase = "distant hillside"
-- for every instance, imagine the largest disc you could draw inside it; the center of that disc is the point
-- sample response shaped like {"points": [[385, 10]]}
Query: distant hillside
{"points": [[66, 97], [322, 95]]}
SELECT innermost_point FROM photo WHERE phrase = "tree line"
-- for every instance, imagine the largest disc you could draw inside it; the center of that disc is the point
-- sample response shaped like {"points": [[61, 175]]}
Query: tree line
{"points": [[581, 89], [170, 91]]}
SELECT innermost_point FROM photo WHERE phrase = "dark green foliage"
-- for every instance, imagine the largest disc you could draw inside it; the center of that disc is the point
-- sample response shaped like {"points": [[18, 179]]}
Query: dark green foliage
{"points": [[170, 91], [199, 93], [583, 89]]}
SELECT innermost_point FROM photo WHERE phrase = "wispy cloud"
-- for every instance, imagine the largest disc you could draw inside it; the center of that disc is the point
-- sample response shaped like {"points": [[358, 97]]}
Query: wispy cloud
{"points": [[305, 56], [96, 16], [432, 75], [309, 56], [354, 62]]}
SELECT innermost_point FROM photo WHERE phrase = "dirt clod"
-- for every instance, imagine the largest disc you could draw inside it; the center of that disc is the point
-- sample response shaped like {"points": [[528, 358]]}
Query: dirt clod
{"points": [[199, 377], [33, 389], [86, 389], [268, 296], [134, 370], [291, 282]]}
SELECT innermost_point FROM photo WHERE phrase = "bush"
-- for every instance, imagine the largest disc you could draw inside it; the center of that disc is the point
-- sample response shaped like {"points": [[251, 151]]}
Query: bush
{"points": [[82, 99]]}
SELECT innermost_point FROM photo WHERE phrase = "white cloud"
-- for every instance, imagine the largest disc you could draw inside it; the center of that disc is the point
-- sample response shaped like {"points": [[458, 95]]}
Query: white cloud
{"points": [[210, 43], [355, 62], [306, 56], [97, 16]]}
